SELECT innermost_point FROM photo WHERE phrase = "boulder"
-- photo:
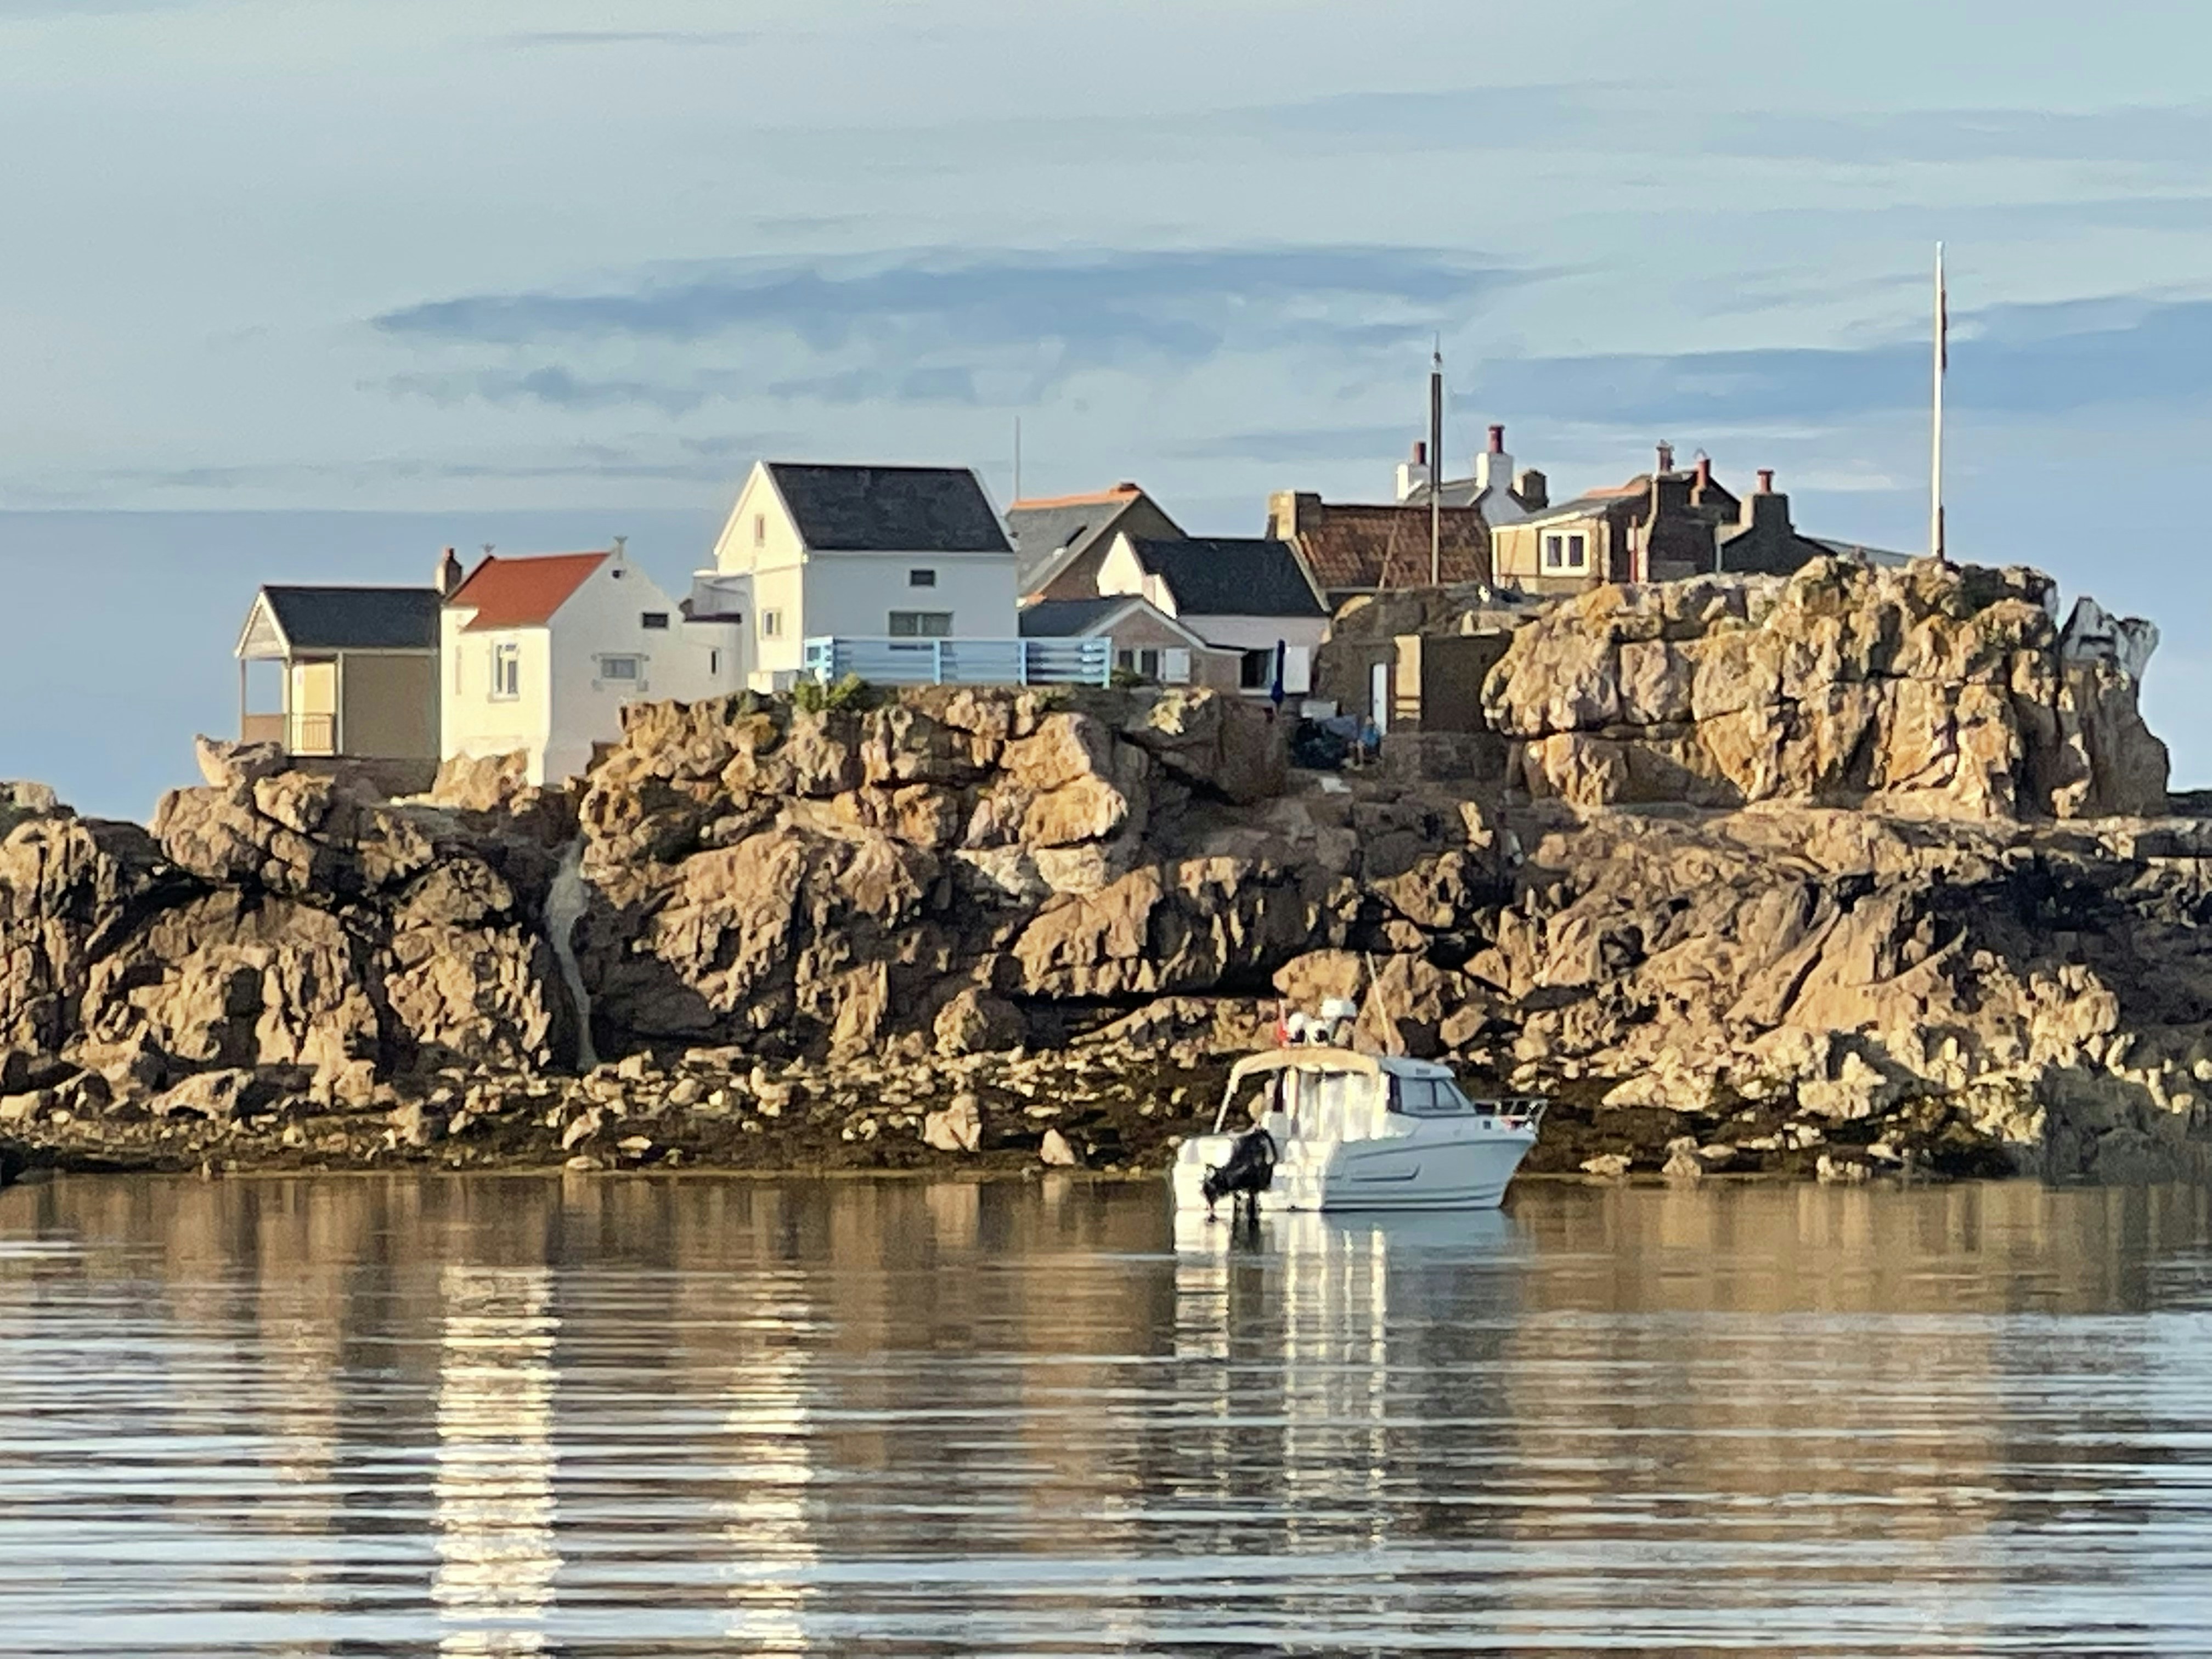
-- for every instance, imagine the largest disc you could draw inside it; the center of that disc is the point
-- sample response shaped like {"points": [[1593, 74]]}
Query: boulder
{"points": [[957, 1128]]}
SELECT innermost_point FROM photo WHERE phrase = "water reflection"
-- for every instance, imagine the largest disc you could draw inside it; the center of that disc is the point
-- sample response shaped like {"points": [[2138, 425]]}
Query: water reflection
{"points": [[599, 1417], [493, 1492]]}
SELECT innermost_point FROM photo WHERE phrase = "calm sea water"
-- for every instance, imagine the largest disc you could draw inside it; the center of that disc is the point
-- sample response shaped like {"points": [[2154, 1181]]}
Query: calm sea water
{"points": [[518, 1416]]}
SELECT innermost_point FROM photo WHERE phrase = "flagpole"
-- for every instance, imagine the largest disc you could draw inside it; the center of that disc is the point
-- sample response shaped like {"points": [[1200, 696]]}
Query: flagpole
{"points": [[1437, 464], [1935, 543]]}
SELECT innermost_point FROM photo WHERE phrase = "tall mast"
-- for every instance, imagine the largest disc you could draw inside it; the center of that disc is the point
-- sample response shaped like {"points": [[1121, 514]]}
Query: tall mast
{"points": [[1936, 543], [1437, 464]]}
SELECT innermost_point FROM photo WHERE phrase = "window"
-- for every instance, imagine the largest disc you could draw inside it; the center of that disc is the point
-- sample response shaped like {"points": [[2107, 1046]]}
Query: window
{"points": [[1255, 672], [657, 619], [1566, 552], [771, 624], [921, 624], [922, 579], [616, 574], [507, 671], [458, 655], [1147, 663], [760, 530], [626, 669], [1421, 1097], [714, 662]]}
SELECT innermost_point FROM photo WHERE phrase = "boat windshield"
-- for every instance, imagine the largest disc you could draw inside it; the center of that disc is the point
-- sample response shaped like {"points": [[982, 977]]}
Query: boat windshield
{"points": [[1423, 1096]]}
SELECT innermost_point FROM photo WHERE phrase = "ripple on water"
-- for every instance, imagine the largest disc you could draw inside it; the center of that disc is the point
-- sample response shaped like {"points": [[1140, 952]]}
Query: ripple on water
{"points": [[514, 1417]]}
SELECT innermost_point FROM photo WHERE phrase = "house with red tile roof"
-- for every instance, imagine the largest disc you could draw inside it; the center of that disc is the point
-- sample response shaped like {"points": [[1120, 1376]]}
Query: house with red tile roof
{"points": [[538, 654]]}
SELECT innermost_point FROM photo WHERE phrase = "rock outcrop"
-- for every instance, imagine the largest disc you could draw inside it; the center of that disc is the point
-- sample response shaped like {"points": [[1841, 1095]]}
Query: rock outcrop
{"points": [[1933, 687], [1849, 871]]}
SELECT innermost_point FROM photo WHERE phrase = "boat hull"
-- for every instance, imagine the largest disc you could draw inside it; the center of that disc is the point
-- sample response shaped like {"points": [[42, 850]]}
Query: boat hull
{"points": [[1467, 1171]]}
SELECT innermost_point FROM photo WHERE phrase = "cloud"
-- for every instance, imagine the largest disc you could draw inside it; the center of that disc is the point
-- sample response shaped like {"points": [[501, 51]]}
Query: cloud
{"points": [[2013, 360], [1181, 304]]}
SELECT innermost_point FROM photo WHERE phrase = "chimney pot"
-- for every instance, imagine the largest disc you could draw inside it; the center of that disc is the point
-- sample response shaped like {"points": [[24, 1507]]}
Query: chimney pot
{"points": [[1498, 441], [450, 574], [1766, 481], [1705, 471], [1666, 458], [1420, 452]]}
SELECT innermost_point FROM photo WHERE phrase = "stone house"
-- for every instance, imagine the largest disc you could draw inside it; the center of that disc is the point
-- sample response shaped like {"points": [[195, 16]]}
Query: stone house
{"points": [[1247, 595], [1662, 525], [867, 553], [538, 655], [1147, 641], [1061, 540], [1351, 549]]}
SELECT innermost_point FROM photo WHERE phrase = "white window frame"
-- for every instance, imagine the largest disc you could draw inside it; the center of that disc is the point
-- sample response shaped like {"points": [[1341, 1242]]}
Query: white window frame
{"points": [[506, 671], [631, 659], [771, 624], [760, 530], [1566, 552]]}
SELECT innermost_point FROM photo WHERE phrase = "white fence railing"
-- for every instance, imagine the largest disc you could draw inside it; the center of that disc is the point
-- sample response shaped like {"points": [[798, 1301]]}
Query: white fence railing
{"points": [[961, 662]]}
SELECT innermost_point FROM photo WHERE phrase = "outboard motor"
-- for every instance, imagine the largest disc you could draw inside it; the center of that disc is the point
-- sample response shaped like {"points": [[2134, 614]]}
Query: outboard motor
{"points": [[1247, 1172]]}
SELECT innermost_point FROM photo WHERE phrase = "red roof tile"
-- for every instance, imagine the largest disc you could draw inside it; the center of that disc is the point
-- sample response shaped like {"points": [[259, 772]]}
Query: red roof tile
{"points": [[524, 593], [1120, 492], [1355, 548]]}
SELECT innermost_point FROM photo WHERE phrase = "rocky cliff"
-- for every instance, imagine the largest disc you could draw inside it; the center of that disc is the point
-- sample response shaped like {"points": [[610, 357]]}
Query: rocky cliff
{"points": [[1804, 877]]}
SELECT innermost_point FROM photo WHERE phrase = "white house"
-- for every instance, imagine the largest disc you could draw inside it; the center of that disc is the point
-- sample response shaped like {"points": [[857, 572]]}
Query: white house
{"points": [[858, 552], [538, 655], [1246, 594], [1505, 495]]}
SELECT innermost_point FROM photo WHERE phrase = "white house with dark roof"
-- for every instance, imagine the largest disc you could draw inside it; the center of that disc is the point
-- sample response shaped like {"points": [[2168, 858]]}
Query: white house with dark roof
{"points": [[1246, 594], [539, 654], [355, 674], [871, 553]]}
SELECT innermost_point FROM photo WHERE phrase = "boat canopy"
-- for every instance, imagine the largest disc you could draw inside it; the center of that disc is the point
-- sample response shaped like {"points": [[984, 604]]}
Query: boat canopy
{"points": [[1304, 1059]]}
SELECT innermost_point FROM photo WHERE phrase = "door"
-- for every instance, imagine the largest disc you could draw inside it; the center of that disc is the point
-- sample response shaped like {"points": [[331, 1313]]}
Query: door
{"points": [[1378, 695], [312, 704]]}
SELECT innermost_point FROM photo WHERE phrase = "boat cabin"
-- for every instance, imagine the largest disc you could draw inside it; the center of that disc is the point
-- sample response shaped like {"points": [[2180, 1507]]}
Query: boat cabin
{"points": [[1309, 1093]]}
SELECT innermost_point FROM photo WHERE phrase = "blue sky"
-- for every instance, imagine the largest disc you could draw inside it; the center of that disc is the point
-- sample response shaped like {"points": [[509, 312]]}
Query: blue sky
{"points": [[309, 287]]}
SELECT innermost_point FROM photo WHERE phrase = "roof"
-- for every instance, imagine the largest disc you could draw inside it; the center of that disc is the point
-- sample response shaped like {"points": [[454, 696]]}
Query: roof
{"points": [[1881, 556], [1357, 547], [1044, 529], [889, 509], [1230, 576], [524, 593], [354, 618], [1069, 619], [1065, 619]]}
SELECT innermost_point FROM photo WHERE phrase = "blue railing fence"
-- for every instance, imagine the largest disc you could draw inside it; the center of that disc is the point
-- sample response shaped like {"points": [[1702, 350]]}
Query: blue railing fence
{"points": [[829, 657]]}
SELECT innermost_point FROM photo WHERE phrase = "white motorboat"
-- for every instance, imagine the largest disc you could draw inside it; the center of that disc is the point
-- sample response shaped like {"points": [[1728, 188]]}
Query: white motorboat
{"points": [[1349, 1131]]}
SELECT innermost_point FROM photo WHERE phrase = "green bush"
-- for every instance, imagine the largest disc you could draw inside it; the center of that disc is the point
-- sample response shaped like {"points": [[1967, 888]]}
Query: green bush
{"points": [[810, 696]]}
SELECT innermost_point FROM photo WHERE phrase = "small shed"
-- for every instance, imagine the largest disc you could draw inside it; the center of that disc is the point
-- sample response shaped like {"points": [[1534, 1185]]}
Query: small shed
{"points": [[357, 672]]}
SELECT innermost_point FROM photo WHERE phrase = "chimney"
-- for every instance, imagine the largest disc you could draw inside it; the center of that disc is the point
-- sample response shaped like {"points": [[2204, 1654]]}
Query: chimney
{"points": [[1704, 472], [450, 575], [1766, 507], [1126, 488], [1414, 475], [621, 547], [1493, 467], [1532, 490], [1666, 458]]}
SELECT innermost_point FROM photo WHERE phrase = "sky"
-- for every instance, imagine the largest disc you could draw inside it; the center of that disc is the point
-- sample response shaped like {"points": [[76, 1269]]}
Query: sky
{"points": [[306, 290]]}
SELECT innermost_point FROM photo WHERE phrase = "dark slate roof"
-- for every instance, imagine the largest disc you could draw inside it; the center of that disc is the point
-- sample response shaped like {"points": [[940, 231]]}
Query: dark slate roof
{"points": [[1065, 619], [1230, 576], [357, 619], [890, 510], [1042, 532]]}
